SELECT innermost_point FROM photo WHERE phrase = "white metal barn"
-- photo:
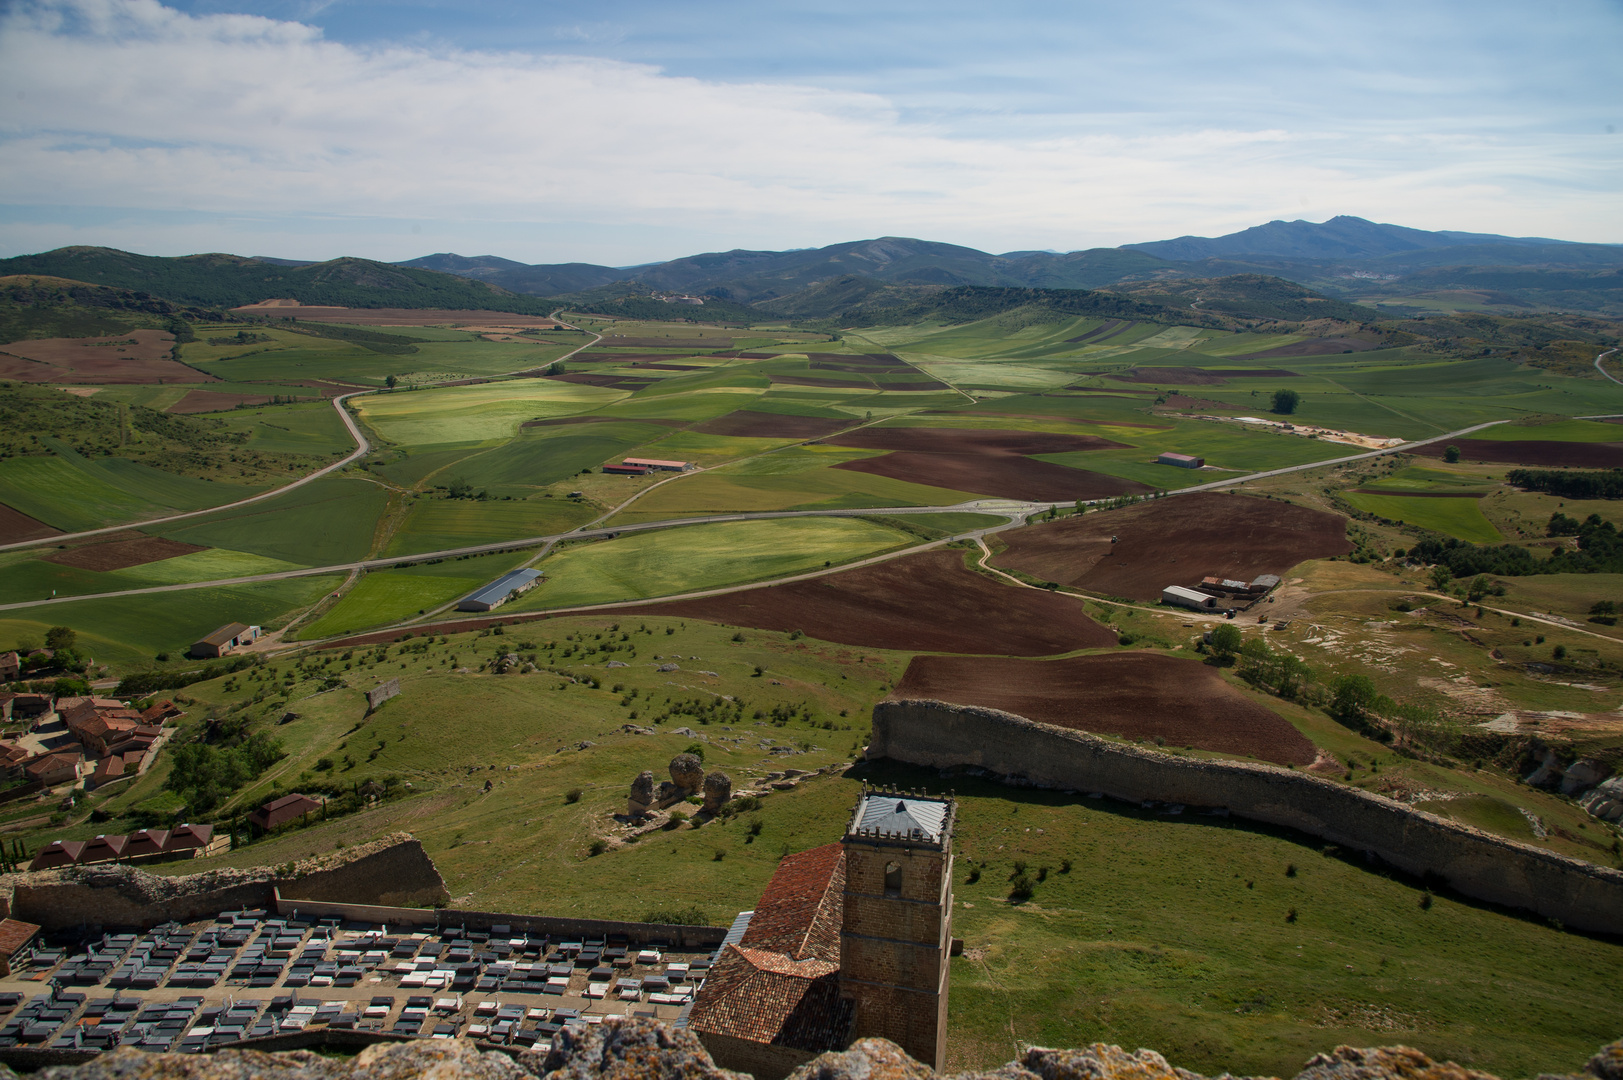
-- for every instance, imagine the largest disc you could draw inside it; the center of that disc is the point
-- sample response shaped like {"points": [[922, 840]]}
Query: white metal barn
{"points": [[1178, 596]]}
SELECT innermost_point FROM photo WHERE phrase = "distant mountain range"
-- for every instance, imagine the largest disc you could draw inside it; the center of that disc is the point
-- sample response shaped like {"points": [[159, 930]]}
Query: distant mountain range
{"points": [[1341, 256], [1346, 258]]}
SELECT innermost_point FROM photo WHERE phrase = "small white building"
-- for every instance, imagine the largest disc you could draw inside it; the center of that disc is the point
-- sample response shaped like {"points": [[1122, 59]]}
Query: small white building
{"points": [[1178, 596]]}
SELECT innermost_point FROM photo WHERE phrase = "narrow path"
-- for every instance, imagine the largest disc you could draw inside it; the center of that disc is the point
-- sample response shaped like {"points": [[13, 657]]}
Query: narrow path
{"points": [[362, 447], [1603, 371]]}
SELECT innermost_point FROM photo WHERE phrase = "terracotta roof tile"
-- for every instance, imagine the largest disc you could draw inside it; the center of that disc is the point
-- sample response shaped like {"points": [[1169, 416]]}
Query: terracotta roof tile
{"points": [[800, 912], [765, 997]]}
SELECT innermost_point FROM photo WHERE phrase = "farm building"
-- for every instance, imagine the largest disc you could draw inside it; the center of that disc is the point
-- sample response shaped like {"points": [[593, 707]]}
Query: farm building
{"points": [[186, 839], [500, 591], [626, 470], [1178, 596], [16, 941], [1264, 582], [281, 811], [226, 638], [11, 665], [1182, 461], [657, 464]]}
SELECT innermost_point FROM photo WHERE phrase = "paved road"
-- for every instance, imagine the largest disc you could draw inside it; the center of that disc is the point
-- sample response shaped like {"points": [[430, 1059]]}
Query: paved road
{"points": [[362, 448], [1015, 511], [1603, 371]]}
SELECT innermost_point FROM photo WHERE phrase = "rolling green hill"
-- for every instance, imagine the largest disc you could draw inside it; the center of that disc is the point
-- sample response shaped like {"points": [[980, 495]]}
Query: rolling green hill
{"points": [[231, 280], [33, 306]]}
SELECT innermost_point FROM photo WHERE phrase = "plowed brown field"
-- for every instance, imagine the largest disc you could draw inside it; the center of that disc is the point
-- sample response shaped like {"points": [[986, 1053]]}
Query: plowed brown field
{"points": [[16, 526], [1138, 695], [201, 401], [122, 554], [1561, 455], [1174, 541], [928, 602], [277, 309], [987, 462], [138, 356], [760, 425]]}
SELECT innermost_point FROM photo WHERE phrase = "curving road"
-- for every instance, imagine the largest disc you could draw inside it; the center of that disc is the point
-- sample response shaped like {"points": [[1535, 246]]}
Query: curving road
{"points": [[362, 448]]}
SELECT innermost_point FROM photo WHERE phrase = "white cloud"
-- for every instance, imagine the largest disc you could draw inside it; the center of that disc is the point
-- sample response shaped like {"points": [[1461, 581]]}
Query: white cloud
{"points": [[132, 105]]}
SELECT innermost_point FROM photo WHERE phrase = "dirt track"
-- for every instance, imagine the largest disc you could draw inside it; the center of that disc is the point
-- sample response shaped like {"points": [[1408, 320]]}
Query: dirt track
{"points": [[747, 423], [1174, 541], [1139, 695], [17, 526], [1533, 452], [122, 554], [927, 602]]}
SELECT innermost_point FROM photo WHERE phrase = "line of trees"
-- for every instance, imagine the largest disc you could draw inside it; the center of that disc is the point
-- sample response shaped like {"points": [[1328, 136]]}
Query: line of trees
{"points": [[1568, 483]]}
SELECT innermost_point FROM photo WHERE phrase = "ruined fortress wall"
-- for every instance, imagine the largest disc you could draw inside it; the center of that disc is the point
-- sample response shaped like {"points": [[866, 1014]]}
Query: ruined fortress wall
{"points": [[391, 871], [1473, 862]]}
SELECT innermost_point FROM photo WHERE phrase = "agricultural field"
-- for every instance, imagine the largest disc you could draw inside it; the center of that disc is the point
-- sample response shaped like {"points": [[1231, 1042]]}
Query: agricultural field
{"points": [[390, 596]]}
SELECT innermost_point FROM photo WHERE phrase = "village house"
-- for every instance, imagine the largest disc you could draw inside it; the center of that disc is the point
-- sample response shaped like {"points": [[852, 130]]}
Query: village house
{"points": [[11, 666], [58, 767], [279, 812]]}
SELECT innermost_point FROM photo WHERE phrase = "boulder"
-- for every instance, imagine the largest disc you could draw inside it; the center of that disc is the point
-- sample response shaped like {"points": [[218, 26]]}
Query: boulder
{"points": [[641, 799], [687, 772], [628, 1049], [1581, 774], [1605, 800], [718, 788], [1548, 772]]}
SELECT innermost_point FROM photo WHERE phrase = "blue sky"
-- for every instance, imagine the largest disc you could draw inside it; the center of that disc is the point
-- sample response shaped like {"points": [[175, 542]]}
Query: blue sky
{"points": [[624, 132]]}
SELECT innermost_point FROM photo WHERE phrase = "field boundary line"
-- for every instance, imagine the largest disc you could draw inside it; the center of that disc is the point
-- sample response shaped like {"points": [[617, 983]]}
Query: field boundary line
{"points": [[363, 446]]}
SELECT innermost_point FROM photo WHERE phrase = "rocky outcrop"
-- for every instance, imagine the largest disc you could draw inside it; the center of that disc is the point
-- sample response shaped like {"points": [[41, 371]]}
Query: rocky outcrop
{"points": [[718, 789], [638, 1049], [641, 799], [1605, 800], [687, 772], [1581, 774]]}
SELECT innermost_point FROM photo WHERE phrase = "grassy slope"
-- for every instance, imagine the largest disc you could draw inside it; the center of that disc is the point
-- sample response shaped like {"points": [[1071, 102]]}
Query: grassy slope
{"points": [[388, 596], [1460, 518], [328, 521], [699, 557]]}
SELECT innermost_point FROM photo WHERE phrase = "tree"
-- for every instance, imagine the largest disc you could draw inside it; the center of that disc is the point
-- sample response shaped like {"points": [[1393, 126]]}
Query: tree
{"points": [[1441, 576], [1478, 588], [1285, 401], [60, 637], [1227, 640], [1352, 697], [1451, 455], [391, 382]]}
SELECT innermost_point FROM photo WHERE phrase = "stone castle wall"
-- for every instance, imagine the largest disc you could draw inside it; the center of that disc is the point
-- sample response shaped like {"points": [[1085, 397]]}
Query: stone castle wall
{"points": [[1475, 863], [394, 870]]}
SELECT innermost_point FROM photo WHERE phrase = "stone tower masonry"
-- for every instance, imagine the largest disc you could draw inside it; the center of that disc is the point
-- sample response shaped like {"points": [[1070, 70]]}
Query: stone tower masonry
{"points": [[896, 933]]}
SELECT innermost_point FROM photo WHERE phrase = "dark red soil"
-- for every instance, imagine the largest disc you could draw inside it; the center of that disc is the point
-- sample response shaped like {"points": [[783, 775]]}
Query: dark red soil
{"points": [[394, 316], [760, 425], [1164, 376], [1005, 475], [122, 554], [201, 401], [16, 526], [670, 367], [1185, 403], [618, 382], [134, 358], [1099, 333], [987, 462], [619, 358], [864, 362], [1174, 541], [941, 440], [1138, 695], [804, 380], [693, 344], [927, 602], [1314, 347], [1561, 455]]}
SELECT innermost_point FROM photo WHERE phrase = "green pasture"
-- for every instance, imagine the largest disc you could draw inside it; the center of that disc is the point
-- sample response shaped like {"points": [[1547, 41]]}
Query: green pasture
{"points": [[389, 596], [73, 492], [419, 465], [443, 524], [791, 479], [690, 405], [1461, 518], [130, 630], [694, 557], [152, 397], [1579, 431], [709, 450], [305, 428], [1224, 446], [23, 578], [472, 413], [328, 521], [1425, 478], [540, 457], [294, 357], [1003, 375]]}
